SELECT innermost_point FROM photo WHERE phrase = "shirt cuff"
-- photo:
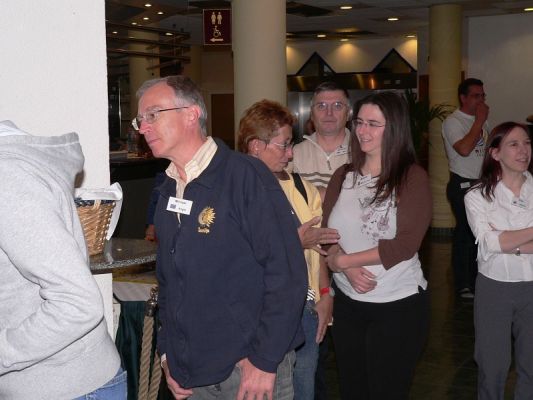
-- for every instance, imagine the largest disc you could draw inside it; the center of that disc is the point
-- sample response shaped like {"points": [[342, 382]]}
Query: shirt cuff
{"points": [[490, 244]]}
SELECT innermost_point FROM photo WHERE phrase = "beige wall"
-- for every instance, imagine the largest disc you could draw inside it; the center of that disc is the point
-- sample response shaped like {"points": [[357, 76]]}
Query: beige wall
{"points": [[53, 77], [352, 56], [500, 53], [214, 69]]}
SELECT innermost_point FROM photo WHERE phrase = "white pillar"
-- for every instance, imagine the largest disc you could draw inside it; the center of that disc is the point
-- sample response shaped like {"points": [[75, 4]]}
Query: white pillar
{"points": [[445, 32], [260, 66]]}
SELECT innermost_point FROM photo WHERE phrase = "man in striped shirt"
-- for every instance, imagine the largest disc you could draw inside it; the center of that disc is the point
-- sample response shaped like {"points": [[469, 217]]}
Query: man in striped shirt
{"points": [[316, 158], [321, 153]]}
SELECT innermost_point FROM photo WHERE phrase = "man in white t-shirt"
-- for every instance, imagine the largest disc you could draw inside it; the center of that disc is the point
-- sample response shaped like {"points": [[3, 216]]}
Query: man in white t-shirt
{"points": [[464, 133], [321, 153]]}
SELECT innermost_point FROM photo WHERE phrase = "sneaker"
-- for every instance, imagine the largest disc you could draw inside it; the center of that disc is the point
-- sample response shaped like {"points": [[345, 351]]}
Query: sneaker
{"points": [[466, 293]]}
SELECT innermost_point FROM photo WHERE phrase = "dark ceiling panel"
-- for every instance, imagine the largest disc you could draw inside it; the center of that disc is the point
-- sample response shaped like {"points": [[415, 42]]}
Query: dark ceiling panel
{"points": [[305, 10]]}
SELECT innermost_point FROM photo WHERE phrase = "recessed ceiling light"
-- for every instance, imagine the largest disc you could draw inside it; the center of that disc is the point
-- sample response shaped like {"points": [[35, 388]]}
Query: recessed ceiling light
{"points": [[134, 23], [346, 7], [146, 18], [160, 13], [528, 9], [344, 40], [148, 5], [410, 36], [115, 32], [392, 19], [321, 35], [169, 34]]}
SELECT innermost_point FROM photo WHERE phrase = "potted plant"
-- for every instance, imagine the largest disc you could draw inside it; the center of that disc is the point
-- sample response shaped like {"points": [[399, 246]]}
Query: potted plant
{"points": [[421, 114]]}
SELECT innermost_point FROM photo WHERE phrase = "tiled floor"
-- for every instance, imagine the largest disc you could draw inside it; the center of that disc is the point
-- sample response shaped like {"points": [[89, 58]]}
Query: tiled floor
{"points": [[447, 369]]}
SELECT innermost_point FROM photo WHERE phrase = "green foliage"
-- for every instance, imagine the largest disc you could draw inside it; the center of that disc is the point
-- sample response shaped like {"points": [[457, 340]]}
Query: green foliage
{"points": [[421, 115]]}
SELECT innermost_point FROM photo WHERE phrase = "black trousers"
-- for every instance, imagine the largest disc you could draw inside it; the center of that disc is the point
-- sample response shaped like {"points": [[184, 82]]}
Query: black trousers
{"points": [[377, 345], [464, 248]]}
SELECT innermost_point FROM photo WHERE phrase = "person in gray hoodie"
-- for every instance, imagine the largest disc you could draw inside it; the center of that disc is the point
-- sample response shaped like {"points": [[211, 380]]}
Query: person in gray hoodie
{"points": [[54, 342]]}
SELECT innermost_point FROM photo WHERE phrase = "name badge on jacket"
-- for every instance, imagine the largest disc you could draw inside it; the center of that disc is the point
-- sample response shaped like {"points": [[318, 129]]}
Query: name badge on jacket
{"points": [[180, 206]]}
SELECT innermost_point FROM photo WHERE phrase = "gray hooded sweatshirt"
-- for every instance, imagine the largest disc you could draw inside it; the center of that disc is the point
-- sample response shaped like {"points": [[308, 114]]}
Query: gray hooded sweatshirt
{"points": [[53, 337]]}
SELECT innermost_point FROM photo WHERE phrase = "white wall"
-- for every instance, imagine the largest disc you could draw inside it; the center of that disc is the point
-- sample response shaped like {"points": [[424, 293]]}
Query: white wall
{"points": [[353, 56], [53, 76], [500, 53]]}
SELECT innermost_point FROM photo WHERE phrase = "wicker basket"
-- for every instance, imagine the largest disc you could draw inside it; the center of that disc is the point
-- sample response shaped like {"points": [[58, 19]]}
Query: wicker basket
{"points": [[95, 216]]}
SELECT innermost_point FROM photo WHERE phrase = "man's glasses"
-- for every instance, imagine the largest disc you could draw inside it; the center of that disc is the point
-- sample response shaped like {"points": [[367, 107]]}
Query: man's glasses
{"points": [[359, 123], [150, 117], [336, 106]]}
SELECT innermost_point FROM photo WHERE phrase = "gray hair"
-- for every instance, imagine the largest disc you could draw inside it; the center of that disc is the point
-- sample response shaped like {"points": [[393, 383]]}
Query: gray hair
{"points": [[330, 86], [184, 89]]}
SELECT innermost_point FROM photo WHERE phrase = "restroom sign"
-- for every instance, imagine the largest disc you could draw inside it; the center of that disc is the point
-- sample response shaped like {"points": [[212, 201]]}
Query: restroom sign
{"points": [[217, 26]]}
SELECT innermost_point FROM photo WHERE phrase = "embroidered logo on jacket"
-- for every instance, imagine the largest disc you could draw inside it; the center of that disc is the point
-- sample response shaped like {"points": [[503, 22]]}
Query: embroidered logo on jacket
{"points": [[205, 219]]}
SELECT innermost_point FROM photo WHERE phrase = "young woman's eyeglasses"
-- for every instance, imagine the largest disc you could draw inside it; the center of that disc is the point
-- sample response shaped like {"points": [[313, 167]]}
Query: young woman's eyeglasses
{"points": [[359, 123], [150, 117], [336, 106]]}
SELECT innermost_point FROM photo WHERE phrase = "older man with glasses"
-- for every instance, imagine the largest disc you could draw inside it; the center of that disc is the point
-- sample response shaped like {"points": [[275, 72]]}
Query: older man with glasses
{"points": [[321, 153], [231, 272], [316, 158]]}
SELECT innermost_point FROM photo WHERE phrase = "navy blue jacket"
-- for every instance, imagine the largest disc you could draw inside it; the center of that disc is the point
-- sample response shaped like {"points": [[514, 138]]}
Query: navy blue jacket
{"points": [[232, 275]]}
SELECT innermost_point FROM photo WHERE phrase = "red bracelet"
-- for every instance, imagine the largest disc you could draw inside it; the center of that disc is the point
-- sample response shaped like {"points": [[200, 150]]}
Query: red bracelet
{"points": [[324, 290]]}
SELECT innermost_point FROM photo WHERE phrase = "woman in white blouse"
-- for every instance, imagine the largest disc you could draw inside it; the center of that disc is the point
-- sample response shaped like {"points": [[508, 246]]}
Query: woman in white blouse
{"points": [[500, 212]]}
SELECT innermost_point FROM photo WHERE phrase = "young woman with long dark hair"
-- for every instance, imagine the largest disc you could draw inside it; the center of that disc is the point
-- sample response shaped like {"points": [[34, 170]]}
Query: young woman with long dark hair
{"points": [[381, 206]]}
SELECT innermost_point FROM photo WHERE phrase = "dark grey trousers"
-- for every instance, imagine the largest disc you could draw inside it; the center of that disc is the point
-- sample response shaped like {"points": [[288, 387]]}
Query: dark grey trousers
{"points": [[502, 310], [227, 390]]}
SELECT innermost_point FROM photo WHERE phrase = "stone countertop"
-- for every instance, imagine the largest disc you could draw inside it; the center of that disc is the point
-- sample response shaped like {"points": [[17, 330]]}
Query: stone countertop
{"points": [[121, 253]]}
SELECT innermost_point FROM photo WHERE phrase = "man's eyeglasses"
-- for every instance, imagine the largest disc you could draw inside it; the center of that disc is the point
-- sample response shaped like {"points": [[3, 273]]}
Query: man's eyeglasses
{"points": [[359, 123], [150, 117], [336, 106]]}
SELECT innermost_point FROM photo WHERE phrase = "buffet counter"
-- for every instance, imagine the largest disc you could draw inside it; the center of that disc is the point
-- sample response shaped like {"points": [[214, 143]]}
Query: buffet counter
{"points": [[121, 253]]}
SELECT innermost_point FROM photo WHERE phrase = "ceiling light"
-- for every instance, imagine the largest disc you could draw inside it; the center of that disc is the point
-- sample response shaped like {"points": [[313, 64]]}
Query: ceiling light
{"points": [[146, 18], [410, 36], [148, 5], [344, 40], [346, 7], [321, 35], [392, 19], [169, 34], [160, 13], [528, 9], [134, 23], [115, 32]]}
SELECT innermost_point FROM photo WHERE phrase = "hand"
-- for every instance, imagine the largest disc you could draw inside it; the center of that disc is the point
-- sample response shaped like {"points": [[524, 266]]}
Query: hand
{"points": [[324, 310], [482, 112], [362, 280], [312, 238], [255, 383], [149, 233], [336, 261], [177, 391]]}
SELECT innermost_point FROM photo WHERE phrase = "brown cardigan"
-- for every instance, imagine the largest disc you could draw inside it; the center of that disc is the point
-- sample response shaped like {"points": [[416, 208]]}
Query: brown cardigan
{"points": [[412, 219]]}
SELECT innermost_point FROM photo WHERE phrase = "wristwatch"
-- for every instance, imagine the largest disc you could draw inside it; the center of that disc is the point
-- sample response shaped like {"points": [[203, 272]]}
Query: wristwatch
{"points": [[327, 290]]}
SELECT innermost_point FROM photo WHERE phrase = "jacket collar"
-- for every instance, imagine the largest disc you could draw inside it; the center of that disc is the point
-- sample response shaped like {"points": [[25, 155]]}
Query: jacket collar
{"points": [[208, 177]]}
